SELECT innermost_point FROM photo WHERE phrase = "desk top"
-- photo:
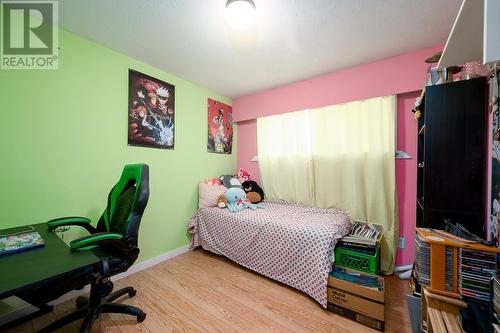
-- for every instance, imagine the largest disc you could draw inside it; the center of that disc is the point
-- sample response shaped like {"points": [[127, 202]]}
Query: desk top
{"points": [[19, 271]]}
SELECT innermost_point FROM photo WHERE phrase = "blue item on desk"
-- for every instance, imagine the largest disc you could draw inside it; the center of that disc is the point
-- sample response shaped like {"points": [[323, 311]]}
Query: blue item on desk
{"points": [[20, 241]]}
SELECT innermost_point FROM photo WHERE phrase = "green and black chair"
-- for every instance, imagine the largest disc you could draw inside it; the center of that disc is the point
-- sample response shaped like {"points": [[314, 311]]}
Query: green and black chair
{"points": [[115, 242]]}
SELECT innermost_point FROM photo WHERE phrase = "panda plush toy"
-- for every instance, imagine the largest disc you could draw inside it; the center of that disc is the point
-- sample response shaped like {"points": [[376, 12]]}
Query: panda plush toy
{"points": [[229, 181], [254, 192]]}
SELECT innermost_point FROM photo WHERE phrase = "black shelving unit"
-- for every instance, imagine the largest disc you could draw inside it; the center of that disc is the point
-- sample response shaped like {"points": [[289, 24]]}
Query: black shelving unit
{"points": [[452, 152]]}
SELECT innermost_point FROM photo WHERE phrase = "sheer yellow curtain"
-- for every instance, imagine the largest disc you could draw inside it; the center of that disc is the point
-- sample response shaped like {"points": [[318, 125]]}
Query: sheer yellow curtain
{"points": [[353, 148], [284, 150]]}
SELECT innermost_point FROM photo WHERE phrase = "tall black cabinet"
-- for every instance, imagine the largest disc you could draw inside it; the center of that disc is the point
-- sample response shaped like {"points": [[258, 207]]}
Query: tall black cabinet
{"points": [[452, 152]]}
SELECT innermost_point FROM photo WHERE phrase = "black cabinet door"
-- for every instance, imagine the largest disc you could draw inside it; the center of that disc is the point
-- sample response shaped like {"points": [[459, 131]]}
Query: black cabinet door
{"points": [[455, 153]]}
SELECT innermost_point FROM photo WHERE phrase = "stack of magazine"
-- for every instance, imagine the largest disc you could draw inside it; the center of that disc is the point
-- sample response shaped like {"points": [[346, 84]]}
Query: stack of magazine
{"points": [[365, 280], [476, 268], [496, 305], [364, 238]]}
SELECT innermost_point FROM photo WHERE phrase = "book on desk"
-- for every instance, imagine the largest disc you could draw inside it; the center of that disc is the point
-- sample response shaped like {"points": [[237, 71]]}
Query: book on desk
{"points": [[21, 241]]}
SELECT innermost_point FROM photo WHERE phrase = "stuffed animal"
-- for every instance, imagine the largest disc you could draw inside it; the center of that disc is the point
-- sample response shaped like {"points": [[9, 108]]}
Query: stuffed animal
{"points": [[212, 181], [254, 192], [229, 181], [237, 200], [222, 201], [242, 175]]}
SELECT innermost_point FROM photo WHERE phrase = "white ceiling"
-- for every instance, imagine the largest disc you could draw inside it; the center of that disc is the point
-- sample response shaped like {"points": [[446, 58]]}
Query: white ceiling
{"points": [[292, 40]]}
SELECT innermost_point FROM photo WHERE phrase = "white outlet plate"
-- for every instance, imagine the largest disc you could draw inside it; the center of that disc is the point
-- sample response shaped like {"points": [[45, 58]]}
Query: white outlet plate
{"points": [[401, 243]]}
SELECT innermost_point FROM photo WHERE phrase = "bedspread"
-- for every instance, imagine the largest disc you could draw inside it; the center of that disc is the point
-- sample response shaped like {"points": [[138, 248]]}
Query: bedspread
{"points": [[288, 242]]}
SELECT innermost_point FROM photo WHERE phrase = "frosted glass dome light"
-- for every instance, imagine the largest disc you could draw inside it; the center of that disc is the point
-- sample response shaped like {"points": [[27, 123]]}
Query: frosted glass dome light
{"points": [[240, 14]]}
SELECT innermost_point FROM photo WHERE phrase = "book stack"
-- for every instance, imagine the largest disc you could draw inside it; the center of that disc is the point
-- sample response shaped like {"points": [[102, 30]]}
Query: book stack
{"points": [[449, 267], [476, 268], [496, 305], [368, 281], [364, 238], [20, 241]]}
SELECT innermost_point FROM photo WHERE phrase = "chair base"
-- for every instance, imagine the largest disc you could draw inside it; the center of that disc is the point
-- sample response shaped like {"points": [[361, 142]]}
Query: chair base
{"points": [[100, 301]]}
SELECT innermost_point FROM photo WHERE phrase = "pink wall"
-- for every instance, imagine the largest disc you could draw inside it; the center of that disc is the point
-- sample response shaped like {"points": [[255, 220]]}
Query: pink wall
{"points": [[247, 132], [391, 76], [403, 75], [406, 175]]}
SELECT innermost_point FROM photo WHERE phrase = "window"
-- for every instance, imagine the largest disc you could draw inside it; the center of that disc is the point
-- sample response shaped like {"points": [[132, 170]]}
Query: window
{"points": [[339, 156]]}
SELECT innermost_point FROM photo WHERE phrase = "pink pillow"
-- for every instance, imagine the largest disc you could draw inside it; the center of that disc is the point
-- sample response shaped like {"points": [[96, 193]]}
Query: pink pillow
{"points": [[209, 194]]}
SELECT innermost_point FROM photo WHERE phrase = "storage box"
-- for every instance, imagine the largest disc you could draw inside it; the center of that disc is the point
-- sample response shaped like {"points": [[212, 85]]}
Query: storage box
{"points": [[357, 302], [360, 250], [356, 260]]}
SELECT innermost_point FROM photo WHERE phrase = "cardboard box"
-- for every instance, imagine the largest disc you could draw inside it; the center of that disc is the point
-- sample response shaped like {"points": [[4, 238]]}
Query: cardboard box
{"points": [[362, 304]]}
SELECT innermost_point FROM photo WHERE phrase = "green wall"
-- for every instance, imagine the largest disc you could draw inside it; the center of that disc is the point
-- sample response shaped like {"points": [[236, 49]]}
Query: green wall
{"points": [[63, 139]]}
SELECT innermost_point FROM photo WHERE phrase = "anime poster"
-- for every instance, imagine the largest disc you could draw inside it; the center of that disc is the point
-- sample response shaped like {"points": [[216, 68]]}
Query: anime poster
{"points": [[495, 159], [151, 112], [220, 127]]}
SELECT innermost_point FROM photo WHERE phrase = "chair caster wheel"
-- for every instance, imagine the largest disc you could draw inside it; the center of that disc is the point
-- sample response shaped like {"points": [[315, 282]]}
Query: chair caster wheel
{"points": [[141, 317], [132, 293]]}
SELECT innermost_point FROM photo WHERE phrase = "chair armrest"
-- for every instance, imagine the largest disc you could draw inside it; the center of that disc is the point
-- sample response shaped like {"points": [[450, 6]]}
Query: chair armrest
{"points": [[91, 241], [71, 221]]}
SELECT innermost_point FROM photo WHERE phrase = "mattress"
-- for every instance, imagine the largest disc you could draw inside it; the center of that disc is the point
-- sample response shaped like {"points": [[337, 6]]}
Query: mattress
{"points": [[289, 242]]}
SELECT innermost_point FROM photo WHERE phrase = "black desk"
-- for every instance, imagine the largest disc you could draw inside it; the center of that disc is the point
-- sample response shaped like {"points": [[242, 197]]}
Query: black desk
{"points": [[23, 270]]}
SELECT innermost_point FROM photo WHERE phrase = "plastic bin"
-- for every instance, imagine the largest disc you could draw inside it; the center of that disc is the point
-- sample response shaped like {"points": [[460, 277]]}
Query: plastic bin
{"points": [[358, 261]]}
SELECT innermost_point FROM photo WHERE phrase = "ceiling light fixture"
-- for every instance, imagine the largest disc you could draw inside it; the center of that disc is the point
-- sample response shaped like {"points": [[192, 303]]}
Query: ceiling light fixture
{"points": [[240, 14]]}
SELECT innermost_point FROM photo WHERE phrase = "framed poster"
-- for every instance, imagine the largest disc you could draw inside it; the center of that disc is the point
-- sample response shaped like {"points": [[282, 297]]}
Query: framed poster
{"points": [[220, 127], [151, 112]]}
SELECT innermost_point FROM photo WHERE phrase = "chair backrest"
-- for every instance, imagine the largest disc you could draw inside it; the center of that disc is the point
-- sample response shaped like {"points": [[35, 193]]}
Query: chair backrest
{"points": [[126, 203]]}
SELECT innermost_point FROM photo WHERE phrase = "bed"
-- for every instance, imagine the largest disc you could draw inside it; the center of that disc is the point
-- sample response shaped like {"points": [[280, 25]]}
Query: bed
{"points": [[289, 242]]}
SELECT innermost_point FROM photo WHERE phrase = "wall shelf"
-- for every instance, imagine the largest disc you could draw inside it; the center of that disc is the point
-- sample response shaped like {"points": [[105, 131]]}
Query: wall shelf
{"points": [[474, 35], [402, 155]]}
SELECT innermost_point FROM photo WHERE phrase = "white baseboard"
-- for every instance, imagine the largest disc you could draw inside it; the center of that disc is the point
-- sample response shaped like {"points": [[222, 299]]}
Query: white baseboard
{"points": [[405, 275], [134, 269], [151, 262], [400, 269]]}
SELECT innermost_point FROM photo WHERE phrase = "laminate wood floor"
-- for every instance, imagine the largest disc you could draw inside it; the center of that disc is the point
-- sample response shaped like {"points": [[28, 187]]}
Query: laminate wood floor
{"points": [[202, 292]]}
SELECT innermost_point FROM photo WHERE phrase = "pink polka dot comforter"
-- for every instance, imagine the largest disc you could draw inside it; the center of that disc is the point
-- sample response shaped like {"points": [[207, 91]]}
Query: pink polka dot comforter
{"points": [[289, 242]]}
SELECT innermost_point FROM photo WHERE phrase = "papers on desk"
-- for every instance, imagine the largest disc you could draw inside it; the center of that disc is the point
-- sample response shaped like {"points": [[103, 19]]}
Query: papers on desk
{"points": [[20, 242]]}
